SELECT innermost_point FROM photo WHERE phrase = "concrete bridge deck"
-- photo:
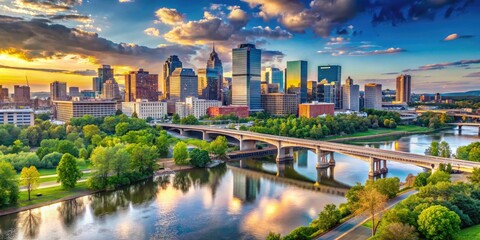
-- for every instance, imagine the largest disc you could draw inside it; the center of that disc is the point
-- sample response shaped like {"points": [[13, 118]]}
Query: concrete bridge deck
{"points": [[372, 154]]}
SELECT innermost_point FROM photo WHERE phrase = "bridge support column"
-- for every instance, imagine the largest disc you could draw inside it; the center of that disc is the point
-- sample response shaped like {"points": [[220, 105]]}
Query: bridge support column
{"points": [[322, 173], [285, 154], [374, 167], [206, 136], [332, 172], [247, 145], [280, 169], [182, 132], [384, 167], [331, 162], [321, 159]]}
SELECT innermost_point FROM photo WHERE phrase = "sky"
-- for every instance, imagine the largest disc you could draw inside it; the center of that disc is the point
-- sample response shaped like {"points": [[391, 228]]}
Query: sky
{"points": [[435, 41]]}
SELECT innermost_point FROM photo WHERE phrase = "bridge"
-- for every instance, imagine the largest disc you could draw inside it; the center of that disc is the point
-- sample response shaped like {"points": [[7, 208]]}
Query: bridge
{"points": [[452, 112], [471, 124], [377, 158]]}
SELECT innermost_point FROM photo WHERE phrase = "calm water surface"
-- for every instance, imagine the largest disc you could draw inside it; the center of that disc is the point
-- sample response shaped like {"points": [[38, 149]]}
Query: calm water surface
{"points": [[223, 203]]}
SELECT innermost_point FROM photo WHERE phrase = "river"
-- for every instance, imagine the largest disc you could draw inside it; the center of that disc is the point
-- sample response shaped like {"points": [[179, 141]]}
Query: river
{"points": [[245, 200]]}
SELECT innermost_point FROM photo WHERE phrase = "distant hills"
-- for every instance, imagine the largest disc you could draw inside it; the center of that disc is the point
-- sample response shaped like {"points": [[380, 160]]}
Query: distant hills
{"points": [[457, 94]]}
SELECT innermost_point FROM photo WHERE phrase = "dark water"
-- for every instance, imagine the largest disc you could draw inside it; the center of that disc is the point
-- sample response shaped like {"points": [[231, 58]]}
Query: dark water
{"points": [[222, 203]]}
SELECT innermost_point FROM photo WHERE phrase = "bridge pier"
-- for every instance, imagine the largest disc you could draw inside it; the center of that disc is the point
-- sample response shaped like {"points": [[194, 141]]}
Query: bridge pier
{"points": [[331, 162], [206, 136], [248, 145], [375, 167], [284, 154], [322, 161]]}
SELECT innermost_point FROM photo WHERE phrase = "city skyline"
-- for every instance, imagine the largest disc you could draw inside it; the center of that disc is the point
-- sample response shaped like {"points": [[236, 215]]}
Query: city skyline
{"points": [[369, 44]]}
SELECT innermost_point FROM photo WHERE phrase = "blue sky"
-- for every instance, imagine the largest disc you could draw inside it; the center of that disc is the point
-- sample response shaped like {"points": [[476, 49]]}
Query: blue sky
{"points": [[373, 40]]}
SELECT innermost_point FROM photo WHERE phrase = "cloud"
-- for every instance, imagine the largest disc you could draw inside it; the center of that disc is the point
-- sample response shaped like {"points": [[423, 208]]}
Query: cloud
{"points": [[339, 46], [152, 32], [456, 36], [272, 57], [169, 16], [438, 66], [48, 6], [473, 75], [126, 1], [86, 72], [34, 39], [75, 17]]}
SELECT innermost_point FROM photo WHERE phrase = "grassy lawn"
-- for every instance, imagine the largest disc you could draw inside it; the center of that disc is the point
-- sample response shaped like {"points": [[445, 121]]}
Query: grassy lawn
{"points": [[54, 178], [468, 233], [368, 224], [49, 194], [53, 171], [378, 131]]}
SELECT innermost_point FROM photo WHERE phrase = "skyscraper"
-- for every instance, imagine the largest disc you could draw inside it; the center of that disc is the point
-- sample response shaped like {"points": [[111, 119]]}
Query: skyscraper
{"points": [[332, 73], [296, 82], [104, 73], [3, 94], [214, 63], [350, 95], [208, 87], [274, 76], [73, 92], [246, 76], [111, 90], [373, 96], [183, 83], [311, 91], [141, 85], [21, 95], [58, 91], [172, 63], [404, 88]]}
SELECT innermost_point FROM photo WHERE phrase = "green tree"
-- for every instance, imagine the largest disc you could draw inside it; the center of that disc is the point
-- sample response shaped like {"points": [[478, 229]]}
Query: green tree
{"points": [[180, 153], [163, 143], [143, 158], [444, 150], [121, 128], [30, 178], [438, 176], [371, 202], [65, 146], [438, 223], [399, 231], [8, 184], [352, 196], [90, 130], [475, 176], [328, 218], [387, 186], [219, 146], [68, 171], [421, 179], [273, 236], [190, 120], [134, 115], [434, 149], [51, 160], [199, 158], [120, 162], [175, 118]]}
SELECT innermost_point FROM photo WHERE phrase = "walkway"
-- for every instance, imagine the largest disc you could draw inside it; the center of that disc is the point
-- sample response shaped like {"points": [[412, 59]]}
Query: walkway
{"points": [[347, 228], [48, 185]]}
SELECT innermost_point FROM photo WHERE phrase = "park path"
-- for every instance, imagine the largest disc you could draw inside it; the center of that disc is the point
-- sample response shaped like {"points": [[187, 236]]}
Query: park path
{"points": [[344, 230]]}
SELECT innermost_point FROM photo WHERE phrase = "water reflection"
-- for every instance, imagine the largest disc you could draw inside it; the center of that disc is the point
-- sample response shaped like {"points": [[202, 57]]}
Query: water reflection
{"points": [[70, 210], [31, 221]]}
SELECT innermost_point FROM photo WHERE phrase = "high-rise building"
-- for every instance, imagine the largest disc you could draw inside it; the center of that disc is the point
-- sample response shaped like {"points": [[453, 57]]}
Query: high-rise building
{"points": [[350, 95], [183, 83], [208, 87], [246, 76], [104, 73], [332, 73], [404, 88], [280, 104], [215, 65], [141, 85], [274, 76], [73, 92], [111, 90], [373, 96], [330, 91], [194, 106], [58, 91], [296, 82], [21, 95], [311, 91], [3, 94], [172, 63]]}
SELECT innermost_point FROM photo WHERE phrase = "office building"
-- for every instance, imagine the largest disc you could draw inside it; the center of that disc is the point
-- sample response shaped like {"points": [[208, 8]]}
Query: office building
{"points": [[315, 109], [332, 73], [111, 90], [208, 84], [104, 73], [269, 88], [215, 65], [3, 94], [145, 109], [296, 81], [238, 111], [183, 83], [66, 110], [88, 94], [17, 117], [21, 95], [141, 85], [172, 63], [438, 98], [373, 96], [194, 106], [329, 92], [246, 68], [280, 104], [73, 92], [58, 91], [274, 76], [404, 88], [350, 95], [311, 91]]}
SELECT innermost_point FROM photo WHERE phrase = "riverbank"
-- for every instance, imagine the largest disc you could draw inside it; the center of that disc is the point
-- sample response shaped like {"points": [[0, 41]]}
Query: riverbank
{"points": [[380, 134]]}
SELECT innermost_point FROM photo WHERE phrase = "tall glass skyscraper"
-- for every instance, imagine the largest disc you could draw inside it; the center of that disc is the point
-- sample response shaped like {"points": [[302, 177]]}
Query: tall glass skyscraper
{"points": [[275, 76], [104, 73], [246, 76], [332, 73], [172, 63], [183, 84], [296, 81], [214, 64]]}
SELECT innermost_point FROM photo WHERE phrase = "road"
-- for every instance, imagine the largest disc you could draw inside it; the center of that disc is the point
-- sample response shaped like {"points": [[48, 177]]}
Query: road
{"points": [[347, 227]]}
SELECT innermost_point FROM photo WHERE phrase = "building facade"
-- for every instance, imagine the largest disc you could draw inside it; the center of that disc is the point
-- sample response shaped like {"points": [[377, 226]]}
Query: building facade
{"points": [[315, 109], [208, 84], [145, 109], [373, 96], [183, 84], [73, 92], [58, 91], [269, 88], [215, 65], [172, 63], [194, 106], [275, 76], [17, 117], [280, 104], [111, 91], [104, 73], [21, 95], [332, 73], [246, 69], [296, 81], [404, 88], [66, 110], [350, 95], [141, 85], [312, 91], [238, 111]]}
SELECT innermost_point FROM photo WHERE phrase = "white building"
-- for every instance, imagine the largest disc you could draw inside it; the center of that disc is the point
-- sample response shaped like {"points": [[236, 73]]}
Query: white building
{"points": [[17, 117], [194, 106], [145, 109], [373, 96], [351, 96]]}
